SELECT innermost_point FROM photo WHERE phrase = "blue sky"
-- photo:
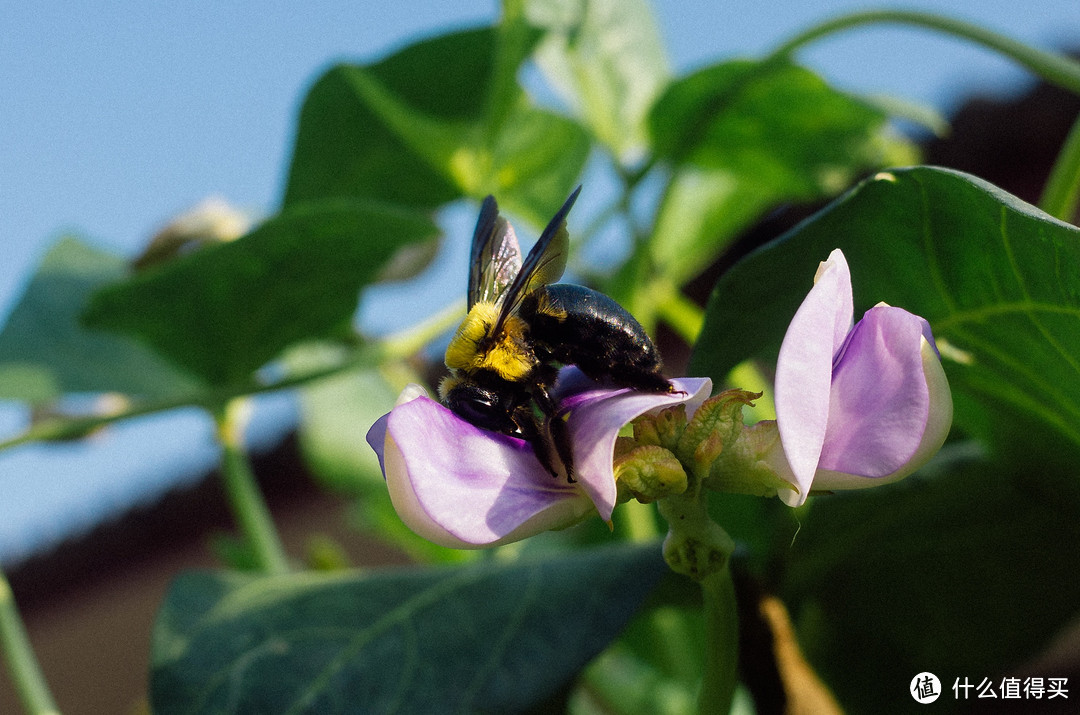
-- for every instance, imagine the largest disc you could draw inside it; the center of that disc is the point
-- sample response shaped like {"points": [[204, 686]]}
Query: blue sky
{"points": [[118, 115]]}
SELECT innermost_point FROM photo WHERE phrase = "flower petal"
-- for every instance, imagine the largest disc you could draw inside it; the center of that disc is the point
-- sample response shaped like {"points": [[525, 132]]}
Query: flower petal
{"points": [[594, 423], [880, 402], [892, 407], [463, 487], [376, 436], [804, 370]]}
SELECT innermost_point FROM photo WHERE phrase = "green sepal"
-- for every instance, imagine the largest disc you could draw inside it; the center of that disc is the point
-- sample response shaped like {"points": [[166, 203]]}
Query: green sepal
{"points": [[650, 472]]}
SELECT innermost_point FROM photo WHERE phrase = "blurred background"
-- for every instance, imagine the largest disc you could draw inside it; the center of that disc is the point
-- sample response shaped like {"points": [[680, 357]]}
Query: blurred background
{"points": [[119, 117]]}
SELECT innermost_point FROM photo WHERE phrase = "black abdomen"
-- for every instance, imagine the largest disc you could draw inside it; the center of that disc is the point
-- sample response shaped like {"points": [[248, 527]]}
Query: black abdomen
{"points": [[575, 325]]}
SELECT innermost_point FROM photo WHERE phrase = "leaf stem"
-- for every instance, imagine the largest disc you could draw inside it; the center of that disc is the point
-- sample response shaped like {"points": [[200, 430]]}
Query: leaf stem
{"points": [[1062, 191], [248, 505], [399, 345], [638, 522], [1054, 68], [721, 643], [22, 663]]}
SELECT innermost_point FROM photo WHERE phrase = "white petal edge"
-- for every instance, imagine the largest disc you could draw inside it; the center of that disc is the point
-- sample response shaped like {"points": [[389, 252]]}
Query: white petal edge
{"points": [[803, 382]]}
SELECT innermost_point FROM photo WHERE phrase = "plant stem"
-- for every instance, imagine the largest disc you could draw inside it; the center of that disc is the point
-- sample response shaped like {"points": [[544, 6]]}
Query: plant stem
{"points": [[721, 643], [1054, 68], [400, 345], [22, 663], [638, 522], [1062, 191], [248, 506]]}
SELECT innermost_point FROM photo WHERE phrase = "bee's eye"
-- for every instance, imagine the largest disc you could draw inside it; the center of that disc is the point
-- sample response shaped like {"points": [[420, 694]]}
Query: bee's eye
{"points": [[481, 407]]}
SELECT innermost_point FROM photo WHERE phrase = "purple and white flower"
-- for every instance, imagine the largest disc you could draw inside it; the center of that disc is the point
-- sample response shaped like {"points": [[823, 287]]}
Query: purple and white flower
{"points": [[464, 487], [856, 405]]}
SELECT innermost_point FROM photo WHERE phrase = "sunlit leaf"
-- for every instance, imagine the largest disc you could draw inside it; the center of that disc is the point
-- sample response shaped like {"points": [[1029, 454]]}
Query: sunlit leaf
{"points": [[45, 352], [998, 280], [227, 309], [606, 59], [743, 137], [439, 120], [359, 123], [775, 121], [537, 160], [491, 637], [701, 212]]}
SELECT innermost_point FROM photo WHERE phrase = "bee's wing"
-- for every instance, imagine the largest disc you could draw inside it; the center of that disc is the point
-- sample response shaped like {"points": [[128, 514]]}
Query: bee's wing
{"points": [[545, 262], [496, 256]]}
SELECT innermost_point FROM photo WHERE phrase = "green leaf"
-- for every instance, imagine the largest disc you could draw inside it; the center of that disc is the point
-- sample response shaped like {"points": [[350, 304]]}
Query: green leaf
{"points": [[536, 161], [701, 212], [745, 136], [227, 309], [606, 59], [45, 352], [437, 121], [362, 128], [491, 637], [777, 122], [998, 280], [969, 574], [630, 677]]}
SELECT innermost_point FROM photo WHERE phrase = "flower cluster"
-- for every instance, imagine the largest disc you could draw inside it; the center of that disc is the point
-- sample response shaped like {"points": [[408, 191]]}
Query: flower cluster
{"points": [[857, 405], [460, 486]]}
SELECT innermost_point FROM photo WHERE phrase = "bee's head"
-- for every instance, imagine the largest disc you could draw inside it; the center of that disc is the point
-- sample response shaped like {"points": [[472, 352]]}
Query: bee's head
{"points": [[475, 347], [486, 407], [465, 349]]}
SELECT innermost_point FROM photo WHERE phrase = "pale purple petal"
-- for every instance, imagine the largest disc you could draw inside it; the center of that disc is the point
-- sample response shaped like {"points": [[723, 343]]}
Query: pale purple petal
{"points": [[376, 436], [887, 409], [595, 421], [934, 430], [804, 369], [463, 487], [880, 402]]}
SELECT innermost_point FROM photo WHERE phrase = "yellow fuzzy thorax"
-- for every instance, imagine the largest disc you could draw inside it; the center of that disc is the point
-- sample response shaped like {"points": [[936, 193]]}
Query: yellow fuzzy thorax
{"points": [[474, 348]]}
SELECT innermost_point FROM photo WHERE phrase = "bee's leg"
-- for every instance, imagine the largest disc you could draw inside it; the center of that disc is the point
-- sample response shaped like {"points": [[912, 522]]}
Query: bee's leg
{"points": [[559, 435], [555, 429], [538, 437]]}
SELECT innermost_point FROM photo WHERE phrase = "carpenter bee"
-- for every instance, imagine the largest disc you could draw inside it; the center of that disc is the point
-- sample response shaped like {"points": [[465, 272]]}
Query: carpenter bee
{"points": [[521, 326]]}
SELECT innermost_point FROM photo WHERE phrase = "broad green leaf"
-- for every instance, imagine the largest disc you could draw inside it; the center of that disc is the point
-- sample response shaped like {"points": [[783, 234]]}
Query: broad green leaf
{"points": [[745, 136], [490, 637], [358, 127], [606, 59], [227, 309], [437, 121], [777, 122], [701, 212], [998, 280], [514, 41], [45, 352], [536, 161], [969, 574]]}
